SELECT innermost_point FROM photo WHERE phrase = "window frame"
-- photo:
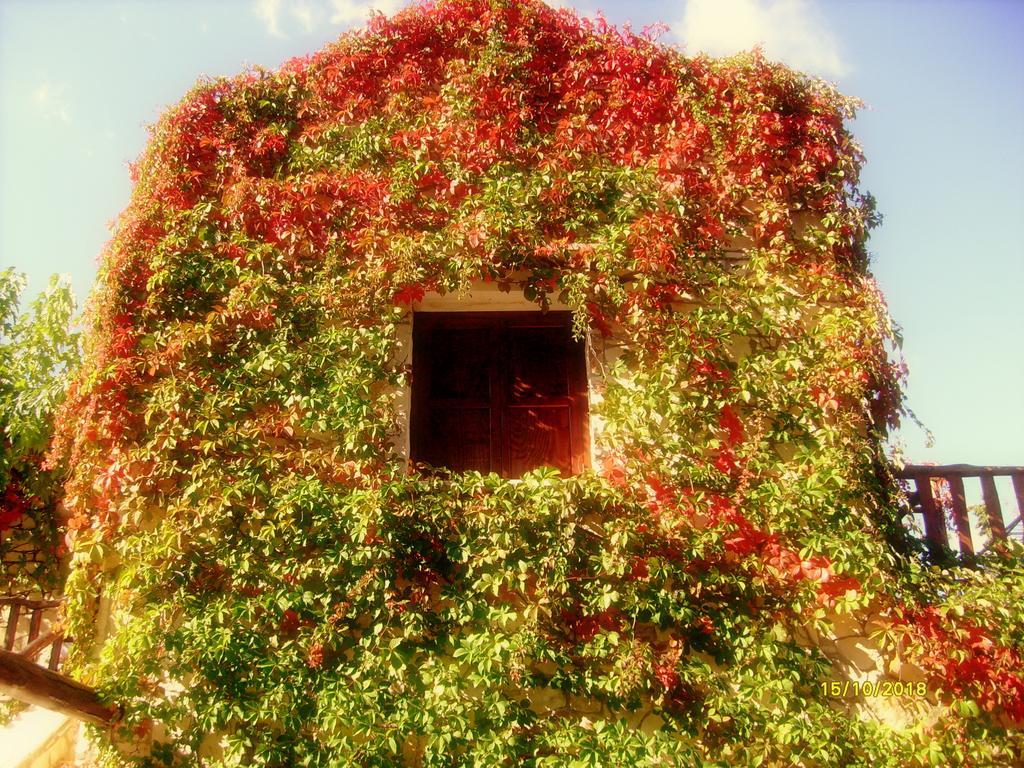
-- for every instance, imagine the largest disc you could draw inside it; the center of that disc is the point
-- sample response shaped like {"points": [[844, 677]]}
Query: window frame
{"points": [[498, 322]]}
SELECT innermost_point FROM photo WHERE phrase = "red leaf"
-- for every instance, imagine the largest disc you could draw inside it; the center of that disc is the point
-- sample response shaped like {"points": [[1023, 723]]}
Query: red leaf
{"points": [[408, 295]]}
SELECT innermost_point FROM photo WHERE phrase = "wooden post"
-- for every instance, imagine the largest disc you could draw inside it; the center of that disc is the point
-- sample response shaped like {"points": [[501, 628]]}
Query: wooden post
{"points": [[993, 508], [960, 516], [55, 650], [1018, 491], [934, 523], [35, 624], [13, 617], [31, 683]]}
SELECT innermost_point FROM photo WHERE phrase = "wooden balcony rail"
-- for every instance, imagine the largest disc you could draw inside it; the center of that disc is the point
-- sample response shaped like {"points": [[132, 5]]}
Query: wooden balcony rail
{"points": [[939, 489], [19, 608], [22, 678]]}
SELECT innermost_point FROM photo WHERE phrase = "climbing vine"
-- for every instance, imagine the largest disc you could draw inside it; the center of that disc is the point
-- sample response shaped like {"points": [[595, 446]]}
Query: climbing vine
{"points": [[284, 590]]}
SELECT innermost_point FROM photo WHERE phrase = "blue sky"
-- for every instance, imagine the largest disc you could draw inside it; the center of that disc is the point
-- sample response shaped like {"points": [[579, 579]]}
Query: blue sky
{"points": [[944, 138]]}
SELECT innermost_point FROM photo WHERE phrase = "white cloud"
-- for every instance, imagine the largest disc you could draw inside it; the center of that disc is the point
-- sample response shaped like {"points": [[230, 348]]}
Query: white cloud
{"points": [[305, 14], [269, 12], [348, 12], [792, 31], [280, 17], [49, 98]]}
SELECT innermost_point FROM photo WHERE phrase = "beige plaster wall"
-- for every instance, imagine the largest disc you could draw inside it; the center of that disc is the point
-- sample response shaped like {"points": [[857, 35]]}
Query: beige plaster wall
{"points": [[882, 686]]}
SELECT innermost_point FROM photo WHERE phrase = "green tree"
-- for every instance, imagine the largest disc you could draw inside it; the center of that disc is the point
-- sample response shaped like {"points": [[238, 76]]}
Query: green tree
{"points": [[39, 350]]}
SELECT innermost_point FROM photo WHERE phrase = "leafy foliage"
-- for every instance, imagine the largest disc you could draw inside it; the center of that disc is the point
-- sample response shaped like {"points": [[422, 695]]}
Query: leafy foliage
{"points": [[38, 354], [286, 592]]}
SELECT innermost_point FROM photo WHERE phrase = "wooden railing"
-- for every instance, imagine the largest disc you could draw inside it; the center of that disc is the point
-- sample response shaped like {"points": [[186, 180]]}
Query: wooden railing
{"points": [[937, 492], [34, 641], [25, 679]]}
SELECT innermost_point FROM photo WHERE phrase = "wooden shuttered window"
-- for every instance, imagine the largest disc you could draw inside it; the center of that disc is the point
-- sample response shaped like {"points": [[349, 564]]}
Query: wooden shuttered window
{"points": [[501, 392]]}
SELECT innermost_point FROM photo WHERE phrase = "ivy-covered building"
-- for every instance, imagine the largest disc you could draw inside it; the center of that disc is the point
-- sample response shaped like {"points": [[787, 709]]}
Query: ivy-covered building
{"points": [[497, 387]]}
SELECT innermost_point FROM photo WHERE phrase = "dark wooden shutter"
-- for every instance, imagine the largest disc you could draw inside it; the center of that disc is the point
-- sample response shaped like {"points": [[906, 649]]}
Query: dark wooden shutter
{"points": [[498, 392]]}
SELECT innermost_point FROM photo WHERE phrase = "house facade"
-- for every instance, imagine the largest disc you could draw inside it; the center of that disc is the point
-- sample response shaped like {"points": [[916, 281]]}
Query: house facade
{"points": [[495, 386]]}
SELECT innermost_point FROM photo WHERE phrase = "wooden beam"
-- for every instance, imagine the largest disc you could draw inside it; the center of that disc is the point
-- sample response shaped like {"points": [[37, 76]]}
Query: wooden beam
{"points": [[32, 650], [33, 684], [947, 470], [25, 602]]}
